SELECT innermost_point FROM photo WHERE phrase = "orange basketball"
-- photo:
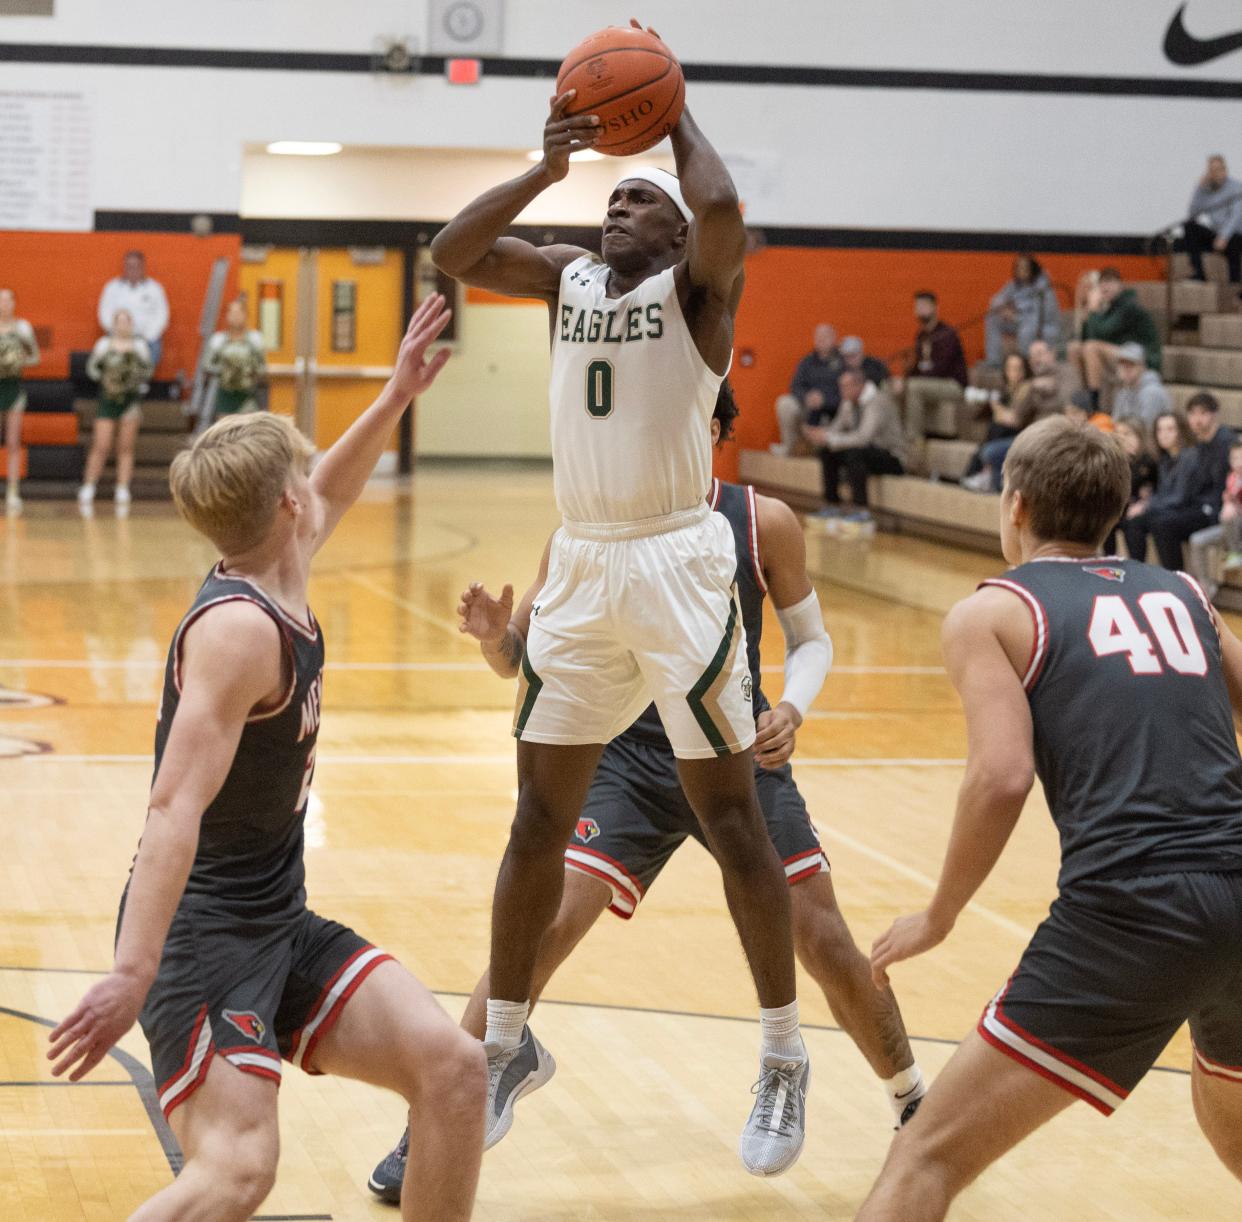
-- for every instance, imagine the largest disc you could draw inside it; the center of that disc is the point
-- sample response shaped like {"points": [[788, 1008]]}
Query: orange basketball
{"points": [[632, 81]]}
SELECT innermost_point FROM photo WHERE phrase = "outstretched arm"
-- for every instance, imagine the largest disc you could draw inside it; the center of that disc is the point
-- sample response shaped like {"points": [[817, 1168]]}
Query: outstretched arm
{"points": [[231, 662], [472, 248], [999, 771], [501, 631], [343, 471], [808, 647]]}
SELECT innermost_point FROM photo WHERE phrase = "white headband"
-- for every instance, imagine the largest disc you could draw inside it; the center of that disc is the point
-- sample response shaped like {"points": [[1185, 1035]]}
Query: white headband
{"points": [[663, 181]]}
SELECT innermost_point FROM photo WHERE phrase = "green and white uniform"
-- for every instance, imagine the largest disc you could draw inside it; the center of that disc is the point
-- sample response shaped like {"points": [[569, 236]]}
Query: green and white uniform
{"points": [[120, 374], [17, 350], [238, 364], [639, 604]]}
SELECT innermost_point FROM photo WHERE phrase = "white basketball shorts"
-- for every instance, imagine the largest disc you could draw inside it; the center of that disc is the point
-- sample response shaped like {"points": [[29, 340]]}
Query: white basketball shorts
{"points": [[622, 621]]}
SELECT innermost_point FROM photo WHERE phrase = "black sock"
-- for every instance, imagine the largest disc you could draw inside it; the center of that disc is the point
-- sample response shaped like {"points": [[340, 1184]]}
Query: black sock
{"points": [[1095, 400]]}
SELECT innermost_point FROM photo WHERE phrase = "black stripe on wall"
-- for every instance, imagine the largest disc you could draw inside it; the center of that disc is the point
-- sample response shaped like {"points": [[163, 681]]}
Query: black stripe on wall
{"points": [[734, 74], [293, 231]]}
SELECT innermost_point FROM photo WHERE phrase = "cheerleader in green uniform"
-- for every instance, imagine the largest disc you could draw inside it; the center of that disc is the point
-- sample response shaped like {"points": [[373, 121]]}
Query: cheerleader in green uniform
{"points": [[120, 363], [17, 350], [235, 358]]}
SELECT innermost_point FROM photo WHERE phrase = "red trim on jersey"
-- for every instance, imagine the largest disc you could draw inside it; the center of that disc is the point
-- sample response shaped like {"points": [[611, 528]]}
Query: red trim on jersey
{"points": [[817, 868], [1039, 646], [310, 630], [1093, 1074], [756, 562], [1201, 594], [273, 1075], [582, 848], [1063, 1083], [329, 1019], [198, 612], [815, 852]]}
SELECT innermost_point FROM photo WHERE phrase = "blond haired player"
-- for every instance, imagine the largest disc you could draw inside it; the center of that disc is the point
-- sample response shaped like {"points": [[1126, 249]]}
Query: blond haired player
{"points": [[639, 604], [217, 954]]}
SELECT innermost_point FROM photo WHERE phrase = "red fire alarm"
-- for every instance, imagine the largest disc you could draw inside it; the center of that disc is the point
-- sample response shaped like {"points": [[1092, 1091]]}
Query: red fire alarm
{"points": [[463, 71]]}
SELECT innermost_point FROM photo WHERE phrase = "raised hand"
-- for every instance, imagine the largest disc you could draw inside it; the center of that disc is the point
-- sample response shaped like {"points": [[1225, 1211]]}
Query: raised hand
{"points": [[564, 135], [413, 373], [635, 24], [483, 617], [107, 1011]]}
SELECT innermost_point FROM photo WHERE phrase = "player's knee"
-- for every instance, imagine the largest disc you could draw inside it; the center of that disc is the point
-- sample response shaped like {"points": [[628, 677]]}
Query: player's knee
{"points": [[920, 1167], [822, 939], [538, 826], [449, 1071], [736, 834], [245, 1178]]}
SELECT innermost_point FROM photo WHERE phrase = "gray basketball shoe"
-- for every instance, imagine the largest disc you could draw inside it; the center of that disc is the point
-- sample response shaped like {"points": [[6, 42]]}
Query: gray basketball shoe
{"points": [[386, 1179], [511, 1075], [773, 1136]]}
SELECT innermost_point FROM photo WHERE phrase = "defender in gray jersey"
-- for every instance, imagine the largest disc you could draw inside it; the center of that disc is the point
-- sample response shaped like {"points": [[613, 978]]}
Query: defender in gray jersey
{"points": [[217, 953], [638, 606], [1117, 684], [636, 815]]}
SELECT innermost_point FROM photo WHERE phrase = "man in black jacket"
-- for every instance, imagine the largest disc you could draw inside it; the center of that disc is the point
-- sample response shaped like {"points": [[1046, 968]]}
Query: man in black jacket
{"points": [[1171, 527], [814, 395]]}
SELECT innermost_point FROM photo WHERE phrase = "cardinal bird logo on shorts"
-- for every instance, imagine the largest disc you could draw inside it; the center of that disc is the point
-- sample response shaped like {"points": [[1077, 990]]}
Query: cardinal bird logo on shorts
{"points": [[248, 1023], [1108, 572], [586, 830]]}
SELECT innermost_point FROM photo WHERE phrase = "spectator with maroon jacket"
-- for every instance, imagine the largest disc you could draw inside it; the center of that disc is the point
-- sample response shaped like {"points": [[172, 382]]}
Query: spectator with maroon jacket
{"points": [[937, 370]]}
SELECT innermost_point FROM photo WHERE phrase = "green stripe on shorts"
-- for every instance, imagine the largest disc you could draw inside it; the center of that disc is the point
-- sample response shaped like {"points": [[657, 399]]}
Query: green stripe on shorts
{"points": [[707, 680], [528, 693]]}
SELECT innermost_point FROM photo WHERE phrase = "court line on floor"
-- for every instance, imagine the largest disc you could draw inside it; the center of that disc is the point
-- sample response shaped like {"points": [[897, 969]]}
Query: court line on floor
{"points": [[449, 626], [158, 664], [105, 1082]]}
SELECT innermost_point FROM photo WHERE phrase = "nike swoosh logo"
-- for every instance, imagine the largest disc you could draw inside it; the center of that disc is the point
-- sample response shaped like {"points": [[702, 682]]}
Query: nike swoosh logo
{"points": [[1183, 48]]}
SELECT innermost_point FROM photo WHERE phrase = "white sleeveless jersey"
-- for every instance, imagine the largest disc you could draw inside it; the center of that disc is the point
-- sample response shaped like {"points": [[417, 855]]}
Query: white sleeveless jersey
{"points": [[632, 401]]}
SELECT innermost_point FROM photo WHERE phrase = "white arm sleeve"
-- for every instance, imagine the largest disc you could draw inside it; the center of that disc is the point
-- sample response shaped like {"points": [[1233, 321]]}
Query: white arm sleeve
{"points": [[808, 652]]}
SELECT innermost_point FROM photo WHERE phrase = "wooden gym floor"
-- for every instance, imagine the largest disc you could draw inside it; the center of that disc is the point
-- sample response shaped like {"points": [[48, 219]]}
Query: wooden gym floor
{"points": [[651, 1021]]}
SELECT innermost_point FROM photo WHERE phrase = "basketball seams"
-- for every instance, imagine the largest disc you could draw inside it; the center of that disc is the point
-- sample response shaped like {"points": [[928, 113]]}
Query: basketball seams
{"points": [[625, 149], [612, 98]]}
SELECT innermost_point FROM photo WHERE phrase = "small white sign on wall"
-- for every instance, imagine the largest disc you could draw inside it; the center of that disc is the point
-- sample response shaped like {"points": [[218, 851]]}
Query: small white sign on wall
{"points": [[46, 158], [465, 27]]}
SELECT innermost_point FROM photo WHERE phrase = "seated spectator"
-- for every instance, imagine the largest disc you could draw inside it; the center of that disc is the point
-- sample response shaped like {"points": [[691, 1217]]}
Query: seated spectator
{"points": [[1217, 549], [1025, 310], [1115, 318], [813, 390], [1171, 520], [235, 359], [865, 439], [1011, 410], [1052, 381], [1215, 220], [1133, 434], [1141, 392], [937, 371], [854, 356], [1174, 471], [120, 363]]}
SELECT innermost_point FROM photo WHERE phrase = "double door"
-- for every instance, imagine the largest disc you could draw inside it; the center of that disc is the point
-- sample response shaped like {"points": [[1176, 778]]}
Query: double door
{"points": [[332, 319]]}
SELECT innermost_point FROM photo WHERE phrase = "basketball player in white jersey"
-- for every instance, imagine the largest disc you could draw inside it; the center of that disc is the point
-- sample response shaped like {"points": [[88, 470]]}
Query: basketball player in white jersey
{"points": [[639, 604]]}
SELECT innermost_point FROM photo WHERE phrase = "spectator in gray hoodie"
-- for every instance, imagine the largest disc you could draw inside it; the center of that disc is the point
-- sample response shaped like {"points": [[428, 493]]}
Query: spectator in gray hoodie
{"points": [[1215, 219], [1025, 310], [1141, 392]]}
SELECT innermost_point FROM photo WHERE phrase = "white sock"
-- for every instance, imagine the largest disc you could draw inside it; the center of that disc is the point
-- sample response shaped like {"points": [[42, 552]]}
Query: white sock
{"points": [[781, 1036], [505, 1020], [903, 1088]]}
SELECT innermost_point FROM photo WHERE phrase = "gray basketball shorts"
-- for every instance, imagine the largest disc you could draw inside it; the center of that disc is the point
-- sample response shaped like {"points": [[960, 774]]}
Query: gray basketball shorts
{"points": [[636, 817], [1114, 971]]}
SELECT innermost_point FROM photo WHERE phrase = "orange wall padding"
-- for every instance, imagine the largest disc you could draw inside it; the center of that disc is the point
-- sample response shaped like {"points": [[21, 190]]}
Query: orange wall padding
{"points": [[49, 428], [4, 463], [58, 278], [867, 293]]}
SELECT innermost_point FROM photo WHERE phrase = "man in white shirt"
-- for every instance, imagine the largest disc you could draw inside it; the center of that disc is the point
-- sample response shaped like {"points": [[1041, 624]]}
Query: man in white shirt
{"points": [[143, 297]]}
